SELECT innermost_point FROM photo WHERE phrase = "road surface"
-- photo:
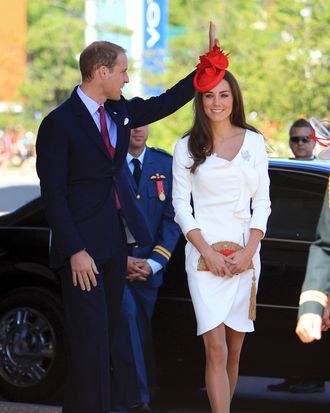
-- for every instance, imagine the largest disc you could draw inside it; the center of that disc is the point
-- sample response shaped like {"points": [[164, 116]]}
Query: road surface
{"points": [[251, 396]]}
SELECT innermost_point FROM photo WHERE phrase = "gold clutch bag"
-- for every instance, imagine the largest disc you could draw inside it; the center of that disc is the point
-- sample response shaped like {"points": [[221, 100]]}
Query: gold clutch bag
{"points": [[225, 248]]}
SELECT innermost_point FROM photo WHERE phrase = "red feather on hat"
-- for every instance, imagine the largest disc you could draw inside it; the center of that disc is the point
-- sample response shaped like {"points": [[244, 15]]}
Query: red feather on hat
{"points": [[210, 69]]}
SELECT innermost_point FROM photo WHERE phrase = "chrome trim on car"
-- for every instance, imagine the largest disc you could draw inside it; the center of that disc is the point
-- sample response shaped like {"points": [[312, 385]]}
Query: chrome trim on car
{"points": [[297, 241], [320, 173], [287, 307]]}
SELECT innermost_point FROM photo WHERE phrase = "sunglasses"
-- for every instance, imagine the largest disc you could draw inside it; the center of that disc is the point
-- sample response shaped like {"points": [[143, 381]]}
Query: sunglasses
{"points": [[297, 139]]}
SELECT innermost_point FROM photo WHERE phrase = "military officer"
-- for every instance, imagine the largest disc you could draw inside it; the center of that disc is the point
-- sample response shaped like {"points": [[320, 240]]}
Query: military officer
{"points": [[151, 174], [313, 305], [302, 147]]}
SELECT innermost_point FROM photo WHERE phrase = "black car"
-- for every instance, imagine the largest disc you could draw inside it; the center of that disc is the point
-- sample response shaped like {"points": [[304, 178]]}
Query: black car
{"points": [[32, 336]]}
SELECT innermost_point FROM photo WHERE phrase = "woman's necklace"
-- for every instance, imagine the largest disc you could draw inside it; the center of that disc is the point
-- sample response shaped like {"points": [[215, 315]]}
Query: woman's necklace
{"points": [[222, 139]]}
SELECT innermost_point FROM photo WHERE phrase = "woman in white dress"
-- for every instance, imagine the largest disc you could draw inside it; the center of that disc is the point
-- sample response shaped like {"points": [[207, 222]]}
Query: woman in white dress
{"points": [[222, 165]]}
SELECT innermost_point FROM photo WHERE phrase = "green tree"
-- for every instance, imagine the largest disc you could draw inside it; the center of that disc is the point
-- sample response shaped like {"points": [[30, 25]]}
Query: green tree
{"points": [[279, 54], [55, 39]]}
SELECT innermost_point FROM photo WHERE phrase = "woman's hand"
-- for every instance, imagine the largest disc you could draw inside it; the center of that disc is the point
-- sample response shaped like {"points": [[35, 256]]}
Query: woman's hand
{"points": [[217, 263], [240, 261], [309, 327]]}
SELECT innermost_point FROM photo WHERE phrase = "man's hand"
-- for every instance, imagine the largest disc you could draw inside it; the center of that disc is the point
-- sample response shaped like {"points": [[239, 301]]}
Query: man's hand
{"points": [[213, 40], [309, 327], [83, 270], [138, 269]]}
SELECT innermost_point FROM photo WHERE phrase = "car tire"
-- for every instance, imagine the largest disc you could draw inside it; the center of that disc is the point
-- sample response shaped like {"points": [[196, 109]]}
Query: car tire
{"points": [[32, 345]]}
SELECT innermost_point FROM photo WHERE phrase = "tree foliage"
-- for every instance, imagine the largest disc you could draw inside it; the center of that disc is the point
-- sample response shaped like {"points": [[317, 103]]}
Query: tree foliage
{"points": [[279, 54], [55, 39]]}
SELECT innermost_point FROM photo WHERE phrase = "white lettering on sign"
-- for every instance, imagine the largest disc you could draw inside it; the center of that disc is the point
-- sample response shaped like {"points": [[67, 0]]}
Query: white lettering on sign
{"points": [[153, 19]]}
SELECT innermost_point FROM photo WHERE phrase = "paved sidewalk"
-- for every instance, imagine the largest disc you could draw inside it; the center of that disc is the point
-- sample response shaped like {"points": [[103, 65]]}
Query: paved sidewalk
{"points": [[11, 177], [6, 407]]}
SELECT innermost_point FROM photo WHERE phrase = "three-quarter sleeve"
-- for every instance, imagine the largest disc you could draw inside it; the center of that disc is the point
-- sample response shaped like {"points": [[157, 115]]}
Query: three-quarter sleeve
{"points": [[260, 200], [182, 186]]}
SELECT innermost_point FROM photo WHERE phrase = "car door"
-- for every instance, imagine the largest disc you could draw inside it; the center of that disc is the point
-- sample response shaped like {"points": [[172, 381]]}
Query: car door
{"points": [[274, 349]]}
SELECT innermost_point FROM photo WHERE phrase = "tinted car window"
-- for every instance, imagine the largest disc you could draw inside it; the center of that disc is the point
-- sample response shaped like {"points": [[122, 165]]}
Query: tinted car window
{"points": [[296, 204]]}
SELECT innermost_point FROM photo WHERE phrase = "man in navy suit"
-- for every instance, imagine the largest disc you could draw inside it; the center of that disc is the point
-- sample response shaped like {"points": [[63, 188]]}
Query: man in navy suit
{"points": [[151, 176], [81, 163]]}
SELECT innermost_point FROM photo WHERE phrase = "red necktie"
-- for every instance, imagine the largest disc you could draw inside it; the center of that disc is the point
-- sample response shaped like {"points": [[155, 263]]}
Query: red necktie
{"points": [[105, 132], [106, 139]]}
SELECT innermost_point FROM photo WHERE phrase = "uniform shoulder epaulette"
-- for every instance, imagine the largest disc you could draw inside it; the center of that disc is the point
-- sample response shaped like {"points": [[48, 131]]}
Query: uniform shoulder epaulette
{"points": [[162, 151]]}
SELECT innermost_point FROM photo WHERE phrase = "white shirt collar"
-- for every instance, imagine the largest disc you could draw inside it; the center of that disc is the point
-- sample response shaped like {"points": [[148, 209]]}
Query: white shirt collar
{"points": [[90, 103], [129, 157]]}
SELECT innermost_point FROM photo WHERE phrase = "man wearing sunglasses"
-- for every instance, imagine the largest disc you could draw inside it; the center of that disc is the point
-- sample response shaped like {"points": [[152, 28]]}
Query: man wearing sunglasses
{"points": [[301, 145]]}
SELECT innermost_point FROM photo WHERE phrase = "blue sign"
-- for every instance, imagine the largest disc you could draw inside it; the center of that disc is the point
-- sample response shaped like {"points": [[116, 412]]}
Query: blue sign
{"points": [[155, 24], [155, 38]]}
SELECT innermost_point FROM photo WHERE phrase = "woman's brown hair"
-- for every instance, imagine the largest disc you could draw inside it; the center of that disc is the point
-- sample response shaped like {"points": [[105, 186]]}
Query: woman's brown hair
{"points": [[200, 142]]}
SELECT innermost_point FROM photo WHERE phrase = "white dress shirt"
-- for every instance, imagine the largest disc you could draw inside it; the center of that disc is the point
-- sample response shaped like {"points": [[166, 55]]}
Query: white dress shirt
{"points": [[93, 107]]}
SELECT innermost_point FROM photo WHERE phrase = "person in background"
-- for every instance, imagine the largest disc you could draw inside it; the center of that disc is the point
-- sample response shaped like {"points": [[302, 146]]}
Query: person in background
{"points": [[151, 177], [222, 165], [313, 315], [302, 147]]}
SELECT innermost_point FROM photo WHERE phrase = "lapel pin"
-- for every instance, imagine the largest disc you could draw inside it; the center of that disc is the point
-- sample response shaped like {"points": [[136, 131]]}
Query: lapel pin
{"points": [[125, 121], [246, 155]]}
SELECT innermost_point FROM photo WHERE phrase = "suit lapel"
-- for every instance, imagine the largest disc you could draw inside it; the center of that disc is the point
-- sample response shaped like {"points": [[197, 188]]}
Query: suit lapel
{"points": [[146, 169], [132, 180], [87, 123], [117, 112]]}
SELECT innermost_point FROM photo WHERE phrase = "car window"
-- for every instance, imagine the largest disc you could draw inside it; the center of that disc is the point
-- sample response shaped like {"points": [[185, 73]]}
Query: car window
{"points": [[15, 196], [296, 204]]}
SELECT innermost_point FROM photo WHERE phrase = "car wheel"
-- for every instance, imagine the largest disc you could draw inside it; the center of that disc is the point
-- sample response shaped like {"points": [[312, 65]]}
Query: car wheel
{"points": [[32, 348]]}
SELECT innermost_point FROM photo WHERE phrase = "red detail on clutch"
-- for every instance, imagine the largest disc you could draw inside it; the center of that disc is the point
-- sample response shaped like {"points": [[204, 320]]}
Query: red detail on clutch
{"points": [[226, 252], [225, 248]]}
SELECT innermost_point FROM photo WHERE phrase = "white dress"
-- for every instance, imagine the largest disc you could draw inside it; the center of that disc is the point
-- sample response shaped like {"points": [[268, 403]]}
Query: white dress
{"points": [[222, 192]]}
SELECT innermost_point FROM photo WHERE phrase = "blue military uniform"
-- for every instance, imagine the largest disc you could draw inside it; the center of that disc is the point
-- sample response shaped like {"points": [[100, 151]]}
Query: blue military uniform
{"points": [[154, 193]]}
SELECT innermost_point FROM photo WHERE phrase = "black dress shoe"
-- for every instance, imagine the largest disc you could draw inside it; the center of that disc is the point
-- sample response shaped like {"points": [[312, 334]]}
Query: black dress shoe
{"points": [[284, 386], [308, 386], [141, 408]]}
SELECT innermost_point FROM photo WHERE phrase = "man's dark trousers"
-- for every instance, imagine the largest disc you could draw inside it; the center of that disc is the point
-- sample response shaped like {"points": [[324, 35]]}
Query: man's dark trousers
{"points": [[91, 316]]}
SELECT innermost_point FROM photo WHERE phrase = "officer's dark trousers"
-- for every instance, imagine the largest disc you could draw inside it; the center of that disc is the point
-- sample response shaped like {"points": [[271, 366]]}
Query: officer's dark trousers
{"points": [[132, 347]]}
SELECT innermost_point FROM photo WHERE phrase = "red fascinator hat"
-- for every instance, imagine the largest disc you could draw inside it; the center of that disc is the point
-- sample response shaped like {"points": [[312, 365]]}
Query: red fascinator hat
{"points": [[210, 69]]}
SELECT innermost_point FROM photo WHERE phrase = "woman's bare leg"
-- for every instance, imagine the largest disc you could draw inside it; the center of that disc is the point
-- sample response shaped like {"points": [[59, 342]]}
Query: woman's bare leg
{"points": [[234, 341], [216, 377]]}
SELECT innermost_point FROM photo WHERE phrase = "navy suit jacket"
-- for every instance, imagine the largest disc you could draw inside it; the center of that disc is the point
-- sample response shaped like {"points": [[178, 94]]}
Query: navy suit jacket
{"points": [[78, 176]]}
